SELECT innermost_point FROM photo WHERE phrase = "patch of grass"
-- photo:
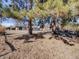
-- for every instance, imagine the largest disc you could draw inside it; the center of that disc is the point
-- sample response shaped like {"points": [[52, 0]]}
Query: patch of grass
{"points": [[73, 27]]}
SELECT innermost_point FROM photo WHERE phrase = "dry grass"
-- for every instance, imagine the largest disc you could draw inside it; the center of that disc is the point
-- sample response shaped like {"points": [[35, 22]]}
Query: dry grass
{"points": [[72, 27]]}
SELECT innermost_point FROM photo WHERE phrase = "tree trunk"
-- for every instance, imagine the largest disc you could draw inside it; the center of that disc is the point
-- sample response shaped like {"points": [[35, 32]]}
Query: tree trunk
{"points": [[30, 27], [53, 25]]}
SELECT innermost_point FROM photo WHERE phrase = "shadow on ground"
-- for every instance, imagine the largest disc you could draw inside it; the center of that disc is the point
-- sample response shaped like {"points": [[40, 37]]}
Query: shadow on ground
{"points": [[11, 47], [27, 37]]}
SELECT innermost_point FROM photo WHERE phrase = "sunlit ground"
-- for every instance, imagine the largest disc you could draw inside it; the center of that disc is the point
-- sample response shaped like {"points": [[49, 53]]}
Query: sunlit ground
{"points": [[41, 48]]}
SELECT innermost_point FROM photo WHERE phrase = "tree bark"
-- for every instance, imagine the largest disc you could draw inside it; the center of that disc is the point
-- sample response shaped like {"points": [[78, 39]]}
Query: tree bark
{"points": [[53, 25], [30, 27]]}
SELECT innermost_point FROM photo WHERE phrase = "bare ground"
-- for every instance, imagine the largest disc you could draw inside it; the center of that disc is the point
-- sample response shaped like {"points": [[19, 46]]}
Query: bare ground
{"points": [[42, 48]]}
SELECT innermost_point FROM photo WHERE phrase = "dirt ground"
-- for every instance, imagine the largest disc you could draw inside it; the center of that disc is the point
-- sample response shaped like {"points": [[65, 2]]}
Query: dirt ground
{"points": [[41, 48]]}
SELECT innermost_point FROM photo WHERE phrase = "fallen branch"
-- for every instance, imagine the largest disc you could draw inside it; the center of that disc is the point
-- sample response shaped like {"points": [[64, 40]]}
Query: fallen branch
{"points": [[67, 41]]}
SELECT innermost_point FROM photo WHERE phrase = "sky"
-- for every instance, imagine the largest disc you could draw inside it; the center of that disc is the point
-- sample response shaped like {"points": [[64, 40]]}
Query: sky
{"points": [[6, 2], [9, 2], [9, 22]]}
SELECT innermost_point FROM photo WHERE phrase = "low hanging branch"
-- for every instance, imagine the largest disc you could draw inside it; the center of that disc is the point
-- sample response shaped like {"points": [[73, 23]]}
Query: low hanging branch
{"points": [[67, 41], [2, 32]]}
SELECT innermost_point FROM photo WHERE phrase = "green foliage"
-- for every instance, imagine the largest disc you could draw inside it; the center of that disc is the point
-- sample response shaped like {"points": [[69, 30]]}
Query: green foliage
{"points": [[0, 6], [73, 4], [71, 8]]}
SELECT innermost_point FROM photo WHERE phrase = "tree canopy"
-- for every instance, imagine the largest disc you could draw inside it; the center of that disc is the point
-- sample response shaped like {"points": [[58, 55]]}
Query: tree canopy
{"points": [[42, 8]]}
